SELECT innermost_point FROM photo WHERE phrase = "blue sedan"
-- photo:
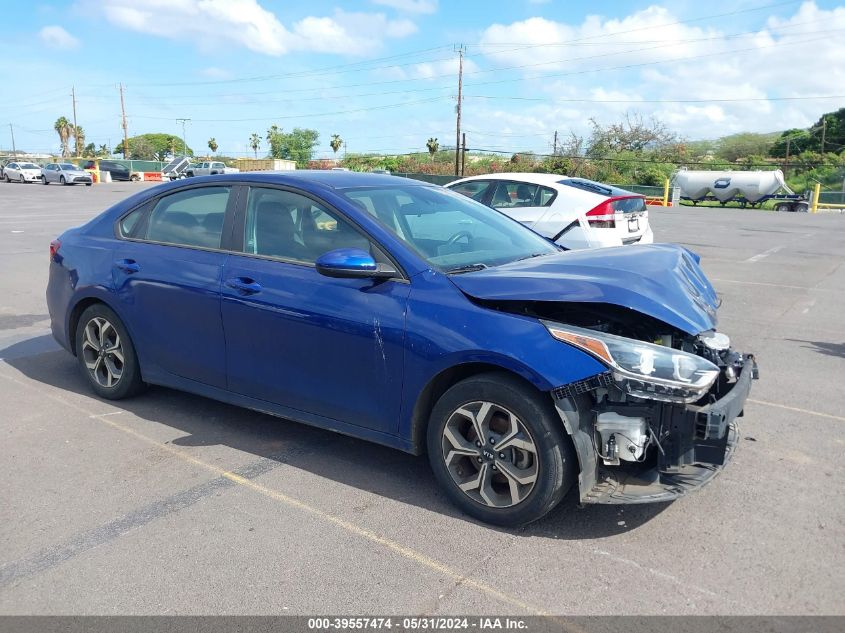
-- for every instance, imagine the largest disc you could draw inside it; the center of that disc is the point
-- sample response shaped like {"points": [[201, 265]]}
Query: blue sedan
{"points": [[409, 315]]}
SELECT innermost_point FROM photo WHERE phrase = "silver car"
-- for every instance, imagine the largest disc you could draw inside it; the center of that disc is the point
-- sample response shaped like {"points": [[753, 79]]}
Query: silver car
{"points": [[65, 174], [21, 172]]}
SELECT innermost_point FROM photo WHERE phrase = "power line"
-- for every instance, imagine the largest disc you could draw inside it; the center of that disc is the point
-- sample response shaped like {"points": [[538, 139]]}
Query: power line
{"points": [[716, 100]]}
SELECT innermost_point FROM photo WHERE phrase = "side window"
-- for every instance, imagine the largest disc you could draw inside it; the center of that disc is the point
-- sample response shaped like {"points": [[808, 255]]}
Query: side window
{"points": [[289, 225], [128, 223], [514, 194], [474, 189], [547, 196], [190, 218]]}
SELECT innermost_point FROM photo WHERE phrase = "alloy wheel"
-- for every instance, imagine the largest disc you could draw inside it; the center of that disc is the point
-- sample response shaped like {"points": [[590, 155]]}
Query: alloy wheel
{"points": [[102, 352], [490, 454]]}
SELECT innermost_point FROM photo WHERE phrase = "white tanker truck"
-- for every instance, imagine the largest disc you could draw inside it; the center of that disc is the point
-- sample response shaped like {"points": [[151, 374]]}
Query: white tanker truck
{"points": [[746, 187]]}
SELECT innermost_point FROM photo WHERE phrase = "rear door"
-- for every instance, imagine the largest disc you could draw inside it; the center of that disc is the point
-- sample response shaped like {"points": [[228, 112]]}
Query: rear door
{"points": [[325, 346], [167, 273], [528, 203]]}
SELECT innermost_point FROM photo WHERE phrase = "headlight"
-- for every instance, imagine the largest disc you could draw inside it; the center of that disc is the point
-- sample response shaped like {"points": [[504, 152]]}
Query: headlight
{"points": [[643, 370]]}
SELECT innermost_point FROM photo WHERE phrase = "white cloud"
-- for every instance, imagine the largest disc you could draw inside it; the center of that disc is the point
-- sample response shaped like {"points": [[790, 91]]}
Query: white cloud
{"points": [[410, 6], [213, 72], [207, 23], [788, 57], [57, 37]]}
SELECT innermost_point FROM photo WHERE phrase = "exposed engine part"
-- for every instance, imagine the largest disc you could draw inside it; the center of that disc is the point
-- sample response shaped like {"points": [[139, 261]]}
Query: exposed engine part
{"points": [[622, 437], [717, 341]]}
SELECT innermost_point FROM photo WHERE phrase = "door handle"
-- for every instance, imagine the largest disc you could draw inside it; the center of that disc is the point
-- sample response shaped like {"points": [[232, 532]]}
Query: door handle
{"points": [[128, 266], [244, 284]]}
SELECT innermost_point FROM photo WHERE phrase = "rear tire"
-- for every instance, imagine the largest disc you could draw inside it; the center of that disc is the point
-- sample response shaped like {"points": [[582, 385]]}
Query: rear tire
{"points": [[498, 449], [106, 354]]}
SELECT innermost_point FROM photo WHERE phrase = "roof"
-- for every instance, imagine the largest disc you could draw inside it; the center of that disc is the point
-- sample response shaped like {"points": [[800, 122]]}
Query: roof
{"points": [[523, 176], [326, 178]]}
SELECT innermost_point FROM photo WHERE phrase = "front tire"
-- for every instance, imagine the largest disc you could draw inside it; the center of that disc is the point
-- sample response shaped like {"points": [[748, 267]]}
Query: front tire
{"points": [[62, 180], [498, 449], [44, 180], [106, 354]]}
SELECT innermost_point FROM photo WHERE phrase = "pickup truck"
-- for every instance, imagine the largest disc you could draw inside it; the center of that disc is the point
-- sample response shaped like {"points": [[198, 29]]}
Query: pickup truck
{"points": [[209, 169]]}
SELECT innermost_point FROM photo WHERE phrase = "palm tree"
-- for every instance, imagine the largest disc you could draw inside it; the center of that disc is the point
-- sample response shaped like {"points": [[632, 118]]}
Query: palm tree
{"points": [[104, 150], [78, 139], [432, 146], [255, 143], [336, 142], [212, 145], [63, 129]]}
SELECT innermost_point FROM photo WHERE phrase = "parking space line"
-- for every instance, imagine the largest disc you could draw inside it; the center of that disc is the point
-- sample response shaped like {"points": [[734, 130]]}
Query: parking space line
{"points": [[773, 285], [403, 550], [759, 256], [839, 418]]}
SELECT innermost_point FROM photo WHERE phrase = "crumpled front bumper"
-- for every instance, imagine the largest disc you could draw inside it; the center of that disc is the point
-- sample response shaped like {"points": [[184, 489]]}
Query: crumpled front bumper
{"points": [[702, 442]]}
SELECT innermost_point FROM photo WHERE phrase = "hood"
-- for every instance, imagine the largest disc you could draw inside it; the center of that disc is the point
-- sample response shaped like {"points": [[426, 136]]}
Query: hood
{"points": [[663, 281]]}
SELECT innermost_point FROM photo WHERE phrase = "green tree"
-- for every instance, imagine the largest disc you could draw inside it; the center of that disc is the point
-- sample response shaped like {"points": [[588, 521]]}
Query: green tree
{"points": [[63, 129], [796, 139], [78, 139], [336, 142], [90, 151], [154, 146], [212, 145], [297, 145], [432, 146], [103, 150], [255, 143], [741, 146]]}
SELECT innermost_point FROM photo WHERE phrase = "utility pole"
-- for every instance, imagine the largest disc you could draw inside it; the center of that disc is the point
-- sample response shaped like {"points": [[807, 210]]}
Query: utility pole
{"points": [[75, 130], [123, 117], [184, 144], [786, 164], [824, 131], [14, 151], [458, 109], [554, 145], [463, 152]]}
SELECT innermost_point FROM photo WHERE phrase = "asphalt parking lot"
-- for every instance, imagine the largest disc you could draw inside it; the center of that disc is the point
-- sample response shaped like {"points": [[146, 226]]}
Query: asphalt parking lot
{"points": [[173, 504]]}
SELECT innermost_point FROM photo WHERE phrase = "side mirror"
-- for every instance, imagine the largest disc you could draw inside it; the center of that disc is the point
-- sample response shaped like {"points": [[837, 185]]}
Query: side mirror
{"points": [[353, 263]]}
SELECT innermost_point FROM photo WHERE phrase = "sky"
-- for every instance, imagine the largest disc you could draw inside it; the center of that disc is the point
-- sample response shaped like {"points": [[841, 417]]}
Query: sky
{"points": [[383, 73]]}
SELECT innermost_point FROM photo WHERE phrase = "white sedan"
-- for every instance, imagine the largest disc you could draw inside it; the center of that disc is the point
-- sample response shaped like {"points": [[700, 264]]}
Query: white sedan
{"points": [[22, 172], [573, 212]]}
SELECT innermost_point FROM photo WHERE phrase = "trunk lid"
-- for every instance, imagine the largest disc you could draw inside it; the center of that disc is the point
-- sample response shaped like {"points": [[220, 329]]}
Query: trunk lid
{"points": [[663, 281]]}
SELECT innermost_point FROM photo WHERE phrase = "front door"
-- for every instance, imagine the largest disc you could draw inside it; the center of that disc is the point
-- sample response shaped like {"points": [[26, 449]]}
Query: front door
{"points": [[325, 346], [167, 275]]}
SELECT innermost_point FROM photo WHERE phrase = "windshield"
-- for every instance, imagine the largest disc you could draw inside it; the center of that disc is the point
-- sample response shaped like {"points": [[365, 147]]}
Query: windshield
{"points": [[448, 230], [29, 166], [67, 166]]}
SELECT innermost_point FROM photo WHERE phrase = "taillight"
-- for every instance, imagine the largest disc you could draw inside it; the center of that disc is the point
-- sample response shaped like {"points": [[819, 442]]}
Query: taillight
{"points": [[602, 216], [55, 245]]}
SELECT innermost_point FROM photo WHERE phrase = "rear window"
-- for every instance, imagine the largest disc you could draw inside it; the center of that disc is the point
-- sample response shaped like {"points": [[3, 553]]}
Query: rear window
{"points": [[630, 205], [596, 187]]}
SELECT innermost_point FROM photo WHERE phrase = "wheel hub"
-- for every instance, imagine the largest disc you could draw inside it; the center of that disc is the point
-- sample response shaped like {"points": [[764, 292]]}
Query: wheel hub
{"points": [[490, 454]]}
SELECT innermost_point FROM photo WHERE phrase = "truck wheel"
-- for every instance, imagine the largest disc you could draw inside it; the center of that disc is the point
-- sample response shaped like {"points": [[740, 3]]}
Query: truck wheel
{"points": [[498, 449], [782, 207], [106, 354]]}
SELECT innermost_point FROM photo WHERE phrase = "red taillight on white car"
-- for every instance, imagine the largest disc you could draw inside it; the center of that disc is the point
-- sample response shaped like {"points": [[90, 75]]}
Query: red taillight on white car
{"points": [[55, 245], [603, 216]]}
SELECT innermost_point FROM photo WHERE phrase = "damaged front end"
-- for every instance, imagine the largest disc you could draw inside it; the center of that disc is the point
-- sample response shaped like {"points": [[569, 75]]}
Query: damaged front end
{"points": [[661, 420]]}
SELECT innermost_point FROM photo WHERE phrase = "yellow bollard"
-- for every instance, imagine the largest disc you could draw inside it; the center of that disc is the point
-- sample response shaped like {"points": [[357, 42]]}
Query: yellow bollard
{"points": [[816, 195], [666, 193]]}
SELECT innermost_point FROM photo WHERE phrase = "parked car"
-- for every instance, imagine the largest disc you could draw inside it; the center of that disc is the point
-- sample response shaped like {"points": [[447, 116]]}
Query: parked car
{"points": [[65, 174], [573, 212], [21, 172], [210, 169], [405, 314], [117, 171]]}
